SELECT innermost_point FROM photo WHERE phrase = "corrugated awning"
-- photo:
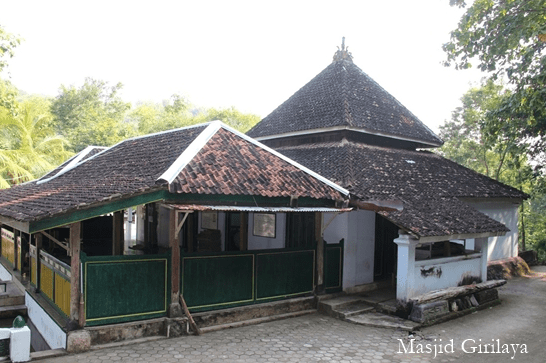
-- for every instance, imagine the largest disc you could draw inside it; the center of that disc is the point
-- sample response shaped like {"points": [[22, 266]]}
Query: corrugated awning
{"points": [[234, 208]]}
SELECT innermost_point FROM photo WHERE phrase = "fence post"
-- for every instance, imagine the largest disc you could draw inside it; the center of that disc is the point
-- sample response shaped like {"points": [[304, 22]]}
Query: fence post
{"points": [[16, 234]]}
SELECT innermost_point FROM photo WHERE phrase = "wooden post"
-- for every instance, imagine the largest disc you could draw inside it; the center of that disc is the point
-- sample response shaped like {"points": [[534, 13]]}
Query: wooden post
{"points": [[16, 235], [117, 238], [175, 310], [38, 237], [75, 239], [243, 232], [320, 252], [189, 228]]}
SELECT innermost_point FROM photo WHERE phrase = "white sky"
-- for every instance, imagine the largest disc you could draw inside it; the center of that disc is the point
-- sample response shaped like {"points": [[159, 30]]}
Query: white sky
{"points": [[249, 54]]}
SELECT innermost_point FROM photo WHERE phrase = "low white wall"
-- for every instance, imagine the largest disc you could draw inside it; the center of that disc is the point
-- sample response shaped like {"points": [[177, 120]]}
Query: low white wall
{"points": [[443, 273], [52, 333], [5, 275], [262, 243], [358, 230], [505, 212]]}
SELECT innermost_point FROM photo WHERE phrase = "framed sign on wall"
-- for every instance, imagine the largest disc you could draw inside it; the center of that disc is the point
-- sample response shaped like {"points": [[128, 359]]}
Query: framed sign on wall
{"points": [[209, 220], [264, 225]]}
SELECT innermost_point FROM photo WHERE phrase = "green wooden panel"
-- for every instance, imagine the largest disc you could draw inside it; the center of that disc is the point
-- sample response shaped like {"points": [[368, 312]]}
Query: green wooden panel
{"points": [[125, 289], [333, 266], [209, 281], [280, 274]]}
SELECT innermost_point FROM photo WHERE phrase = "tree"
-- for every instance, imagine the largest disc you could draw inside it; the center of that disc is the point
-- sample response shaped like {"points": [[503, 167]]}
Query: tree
{"points": [[29, 146], [468, 141], [230, 116], [8, 42], [467, 138], [508, 41], [93, 114]]}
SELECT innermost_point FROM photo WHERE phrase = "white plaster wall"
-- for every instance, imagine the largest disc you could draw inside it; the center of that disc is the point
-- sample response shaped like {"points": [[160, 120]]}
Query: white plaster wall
{"points": [[52, 333], [358, 230], [362, 230], [507, 213], [5, 275], [262, 243], [451, 275]]}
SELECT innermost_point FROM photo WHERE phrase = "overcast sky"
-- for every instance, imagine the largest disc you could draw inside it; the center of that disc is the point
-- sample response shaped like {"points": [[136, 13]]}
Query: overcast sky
{"points": [[249, 54]]}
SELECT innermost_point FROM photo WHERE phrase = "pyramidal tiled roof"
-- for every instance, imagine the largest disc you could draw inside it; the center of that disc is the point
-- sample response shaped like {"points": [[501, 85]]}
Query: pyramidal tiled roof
{"points": [[343, 96]]}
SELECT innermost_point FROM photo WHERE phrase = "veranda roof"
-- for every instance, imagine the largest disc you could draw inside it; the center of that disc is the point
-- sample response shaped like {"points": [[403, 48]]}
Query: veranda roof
{"points": [[205, 162]]}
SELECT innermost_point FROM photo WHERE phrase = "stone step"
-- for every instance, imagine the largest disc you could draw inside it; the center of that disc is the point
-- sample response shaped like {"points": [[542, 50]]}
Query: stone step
{"points": [[9, 300], [257, 321], [8, 312], [355, 308], [329, 306], [379, 320]]}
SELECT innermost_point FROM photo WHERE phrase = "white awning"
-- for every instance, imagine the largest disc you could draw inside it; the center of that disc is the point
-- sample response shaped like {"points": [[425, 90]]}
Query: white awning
{"points": [[234, 208]]}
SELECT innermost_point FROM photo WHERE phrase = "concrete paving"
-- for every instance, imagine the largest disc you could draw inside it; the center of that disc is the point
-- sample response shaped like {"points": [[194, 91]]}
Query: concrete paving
{"points": [[318, 338], [310, 338]]}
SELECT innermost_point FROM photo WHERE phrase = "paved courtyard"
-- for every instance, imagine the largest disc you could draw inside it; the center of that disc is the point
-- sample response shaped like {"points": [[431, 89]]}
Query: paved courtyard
{"points": [[521, 319]]}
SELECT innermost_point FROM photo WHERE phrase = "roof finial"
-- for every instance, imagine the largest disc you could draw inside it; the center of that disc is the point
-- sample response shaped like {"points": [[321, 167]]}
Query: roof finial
{"points": [[343, 53]]}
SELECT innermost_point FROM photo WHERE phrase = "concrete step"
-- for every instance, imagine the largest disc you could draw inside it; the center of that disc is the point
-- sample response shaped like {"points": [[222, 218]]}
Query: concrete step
{"points": [[8, 312], [257, 321], [7, 300], [330, 306], [379, 320], [12, 296], [251, 312], [356, 308]]}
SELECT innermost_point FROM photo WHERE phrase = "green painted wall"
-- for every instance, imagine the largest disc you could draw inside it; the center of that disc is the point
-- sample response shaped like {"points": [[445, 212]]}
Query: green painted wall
{"points": [[125, 288]]}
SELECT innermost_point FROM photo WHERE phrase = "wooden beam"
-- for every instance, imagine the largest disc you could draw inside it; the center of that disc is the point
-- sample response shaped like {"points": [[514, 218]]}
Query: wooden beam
{"points": [[117, 234], [51, 238], [75, 239]]}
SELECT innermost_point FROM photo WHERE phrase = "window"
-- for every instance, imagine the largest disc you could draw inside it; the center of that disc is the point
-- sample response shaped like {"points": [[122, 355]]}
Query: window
{"points": [[300, 230]]}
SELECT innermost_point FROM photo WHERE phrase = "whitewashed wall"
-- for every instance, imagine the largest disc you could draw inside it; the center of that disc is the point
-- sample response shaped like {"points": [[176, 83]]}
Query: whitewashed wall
{"points": [[262, 243], [443, 273], [505, 212], [50, 331], [358, 230]]}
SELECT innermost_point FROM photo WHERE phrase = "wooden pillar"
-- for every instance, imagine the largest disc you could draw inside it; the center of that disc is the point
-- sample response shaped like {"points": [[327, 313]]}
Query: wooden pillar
{"points": [[38, 239], [243, 232], [175, 309], [320, 252], [189, 228], [16, 235], [75, 240], [117, 238]]}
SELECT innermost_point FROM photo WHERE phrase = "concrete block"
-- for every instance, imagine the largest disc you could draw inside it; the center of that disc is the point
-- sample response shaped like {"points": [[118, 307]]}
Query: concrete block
{"points": [[19, 349], [78, 341], [429, 311]]}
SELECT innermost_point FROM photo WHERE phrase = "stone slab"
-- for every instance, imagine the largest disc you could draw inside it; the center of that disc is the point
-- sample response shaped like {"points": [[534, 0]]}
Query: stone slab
{"points": [[379, 320], [427, 312]]}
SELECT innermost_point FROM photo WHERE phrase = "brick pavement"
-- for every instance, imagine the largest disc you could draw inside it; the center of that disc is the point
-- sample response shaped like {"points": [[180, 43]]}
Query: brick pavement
{"points": [[309, 338]]}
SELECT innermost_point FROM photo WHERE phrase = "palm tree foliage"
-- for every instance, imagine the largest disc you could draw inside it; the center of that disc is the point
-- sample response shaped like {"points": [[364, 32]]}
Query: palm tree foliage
{"points": [[29, 146]]}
